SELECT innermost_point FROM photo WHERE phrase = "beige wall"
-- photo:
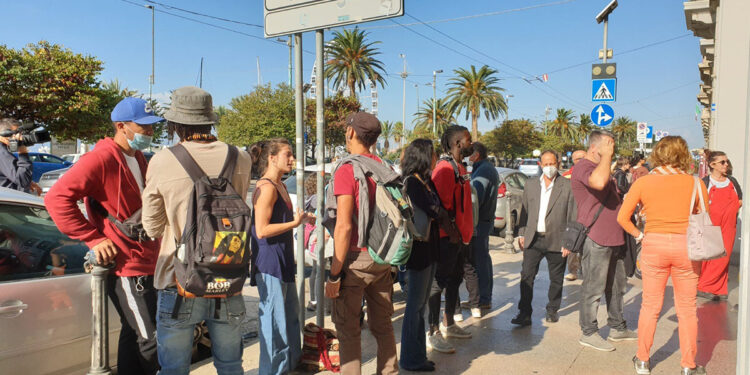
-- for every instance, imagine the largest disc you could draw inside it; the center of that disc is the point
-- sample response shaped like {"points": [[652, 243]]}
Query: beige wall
{"points": [[731, 81]]}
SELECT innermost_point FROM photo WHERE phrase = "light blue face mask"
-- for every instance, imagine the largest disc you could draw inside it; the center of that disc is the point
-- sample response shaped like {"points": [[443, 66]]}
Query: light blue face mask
{"points": [[140, 141]]}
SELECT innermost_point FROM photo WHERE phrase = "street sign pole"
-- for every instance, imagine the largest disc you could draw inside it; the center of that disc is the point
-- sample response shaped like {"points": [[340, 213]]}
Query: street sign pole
{"points": [[320, 133], [606, 23], [300, 138]]}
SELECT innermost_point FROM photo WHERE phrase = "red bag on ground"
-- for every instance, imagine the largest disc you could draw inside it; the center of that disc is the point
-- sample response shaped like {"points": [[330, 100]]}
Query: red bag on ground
{"points": [[320, 349]]}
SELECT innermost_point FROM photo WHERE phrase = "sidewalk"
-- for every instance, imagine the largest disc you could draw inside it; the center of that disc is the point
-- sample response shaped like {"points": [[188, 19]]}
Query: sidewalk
{"points": [[545, 348]]}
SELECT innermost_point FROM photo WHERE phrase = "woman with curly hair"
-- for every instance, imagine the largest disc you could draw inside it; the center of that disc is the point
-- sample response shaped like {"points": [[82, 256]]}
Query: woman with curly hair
{"points": [[665, 197]]}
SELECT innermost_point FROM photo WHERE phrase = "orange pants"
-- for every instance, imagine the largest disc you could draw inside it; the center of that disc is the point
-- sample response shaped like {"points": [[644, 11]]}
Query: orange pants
{"points": [[663, 255]]}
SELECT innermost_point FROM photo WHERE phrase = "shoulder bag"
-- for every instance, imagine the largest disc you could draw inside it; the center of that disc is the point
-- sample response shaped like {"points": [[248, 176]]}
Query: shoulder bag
{"points": [[704, 240]]}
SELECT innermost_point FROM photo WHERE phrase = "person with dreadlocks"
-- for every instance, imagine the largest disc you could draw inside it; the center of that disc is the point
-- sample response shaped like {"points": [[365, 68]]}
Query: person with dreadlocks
{"points": [[453, 185]]}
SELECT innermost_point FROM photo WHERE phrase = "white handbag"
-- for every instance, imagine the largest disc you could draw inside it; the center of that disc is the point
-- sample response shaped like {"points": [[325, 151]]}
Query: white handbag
{"points": [[704, 240]]}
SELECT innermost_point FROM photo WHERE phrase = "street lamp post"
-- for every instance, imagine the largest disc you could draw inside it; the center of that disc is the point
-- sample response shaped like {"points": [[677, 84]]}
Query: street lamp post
{"points": [[434, 100], [404, 74], [151, 78], [288, 44], [507, 105]]}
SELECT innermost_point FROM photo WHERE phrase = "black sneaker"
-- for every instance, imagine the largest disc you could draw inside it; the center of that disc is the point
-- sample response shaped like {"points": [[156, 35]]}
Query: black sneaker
{"points": [[552, 316], [522, 320]]}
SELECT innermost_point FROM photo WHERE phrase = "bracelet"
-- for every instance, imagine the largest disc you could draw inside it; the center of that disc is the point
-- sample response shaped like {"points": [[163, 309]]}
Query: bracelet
{"points": [[338, 280], [334, 279], [640, 237]]}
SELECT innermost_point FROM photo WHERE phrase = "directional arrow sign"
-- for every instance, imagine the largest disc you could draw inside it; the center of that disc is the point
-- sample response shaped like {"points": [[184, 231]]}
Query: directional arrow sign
{"points": [[603, 90], [602, 115]]}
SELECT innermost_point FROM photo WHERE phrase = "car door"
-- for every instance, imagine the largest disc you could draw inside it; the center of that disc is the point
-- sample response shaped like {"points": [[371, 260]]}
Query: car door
{"points": [[45, 297]]}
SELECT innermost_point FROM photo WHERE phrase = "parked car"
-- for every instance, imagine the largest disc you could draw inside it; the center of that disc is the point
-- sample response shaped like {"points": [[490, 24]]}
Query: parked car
{"points": [[73, 158], [44, 163], [50, 178], [45, 296], [530, 167], [510, 192]]}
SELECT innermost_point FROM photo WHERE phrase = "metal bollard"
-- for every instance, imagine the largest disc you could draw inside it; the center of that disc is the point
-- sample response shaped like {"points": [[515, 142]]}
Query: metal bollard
{"points": [[100, 317], [509, 227]]}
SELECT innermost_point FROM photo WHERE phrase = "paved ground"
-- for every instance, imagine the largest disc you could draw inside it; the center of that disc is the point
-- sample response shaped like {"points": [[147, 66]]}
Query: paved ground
{"points": [[543, 348]]}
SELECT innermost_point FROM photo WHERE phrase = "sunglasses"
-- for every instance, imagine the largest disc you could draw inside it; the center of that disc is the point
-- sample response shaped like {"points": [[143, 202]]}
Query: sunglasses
{"points": [[722, 162]]}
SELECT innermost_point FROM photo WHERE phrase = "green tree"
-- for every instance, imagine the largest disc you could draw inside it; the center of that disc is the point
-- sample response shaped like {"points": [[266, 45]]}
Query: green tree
{"points": [[443, 116], [264, 113], [335, 110], [585, 126], [472, 91], [55, 87], [553, 142], [352, 61], [624, 129], [386, 132], [564, 126], [513, 138], [398, 133]]}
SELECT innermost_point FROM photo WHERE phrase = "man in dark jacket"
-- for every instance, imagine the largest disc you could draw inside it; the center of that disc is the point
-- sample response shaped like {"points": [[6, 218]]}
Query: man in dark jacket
{"points": [[110, 179], [485, 180], [15, 172], [547, 206]]}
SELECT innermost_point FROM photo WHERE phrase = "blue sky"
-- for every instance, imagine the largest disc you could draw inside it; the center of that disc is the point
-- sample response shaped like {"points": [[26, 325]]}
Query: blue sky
{"points": [[656, 84]]}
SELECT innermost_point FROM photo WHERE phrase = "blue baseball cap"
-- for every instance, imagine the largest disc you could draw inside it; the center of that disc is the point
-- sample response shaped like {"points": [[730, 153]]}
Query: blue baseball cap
{"points": [[136, 110]]}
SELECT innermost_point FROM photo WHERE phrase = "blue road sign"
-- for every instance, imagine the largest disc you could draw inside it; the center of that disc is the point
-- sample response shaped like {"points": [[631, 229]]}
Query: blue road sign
{"points": [[603, 90], [650, 134], [602, 115]]}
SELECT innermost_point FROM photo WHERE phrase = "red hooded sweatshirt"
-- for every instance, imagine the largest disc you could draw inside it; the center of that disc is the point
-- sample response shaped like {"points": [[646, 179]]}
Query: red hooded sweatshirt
{"points": [[455, 197], [103, 175]]}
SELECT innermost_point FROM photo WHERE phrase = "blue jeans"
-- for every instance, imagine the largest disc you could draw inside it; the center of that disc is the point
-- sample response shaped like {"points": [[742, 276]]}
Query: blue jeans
{"points": [[280, 345], [174, 336], [413, 340], [483, 262]]}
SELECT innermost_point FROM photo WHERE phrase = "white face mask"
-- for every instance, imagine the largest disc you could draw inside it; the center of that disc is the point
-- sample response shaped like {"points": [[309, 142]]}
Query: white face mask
{"points": [[549, 171]]}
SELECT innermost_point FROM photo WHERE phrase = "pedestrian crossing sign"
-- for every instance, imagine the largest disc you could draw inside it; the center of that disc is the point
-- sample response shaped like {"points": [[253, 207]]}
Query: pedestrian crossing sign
{"points": [[603, 90]]}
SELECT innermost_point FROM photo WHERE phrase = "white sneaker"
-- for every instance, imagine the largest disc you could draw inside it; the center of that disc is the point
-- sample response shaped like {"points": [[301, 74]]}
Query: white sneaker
{"points": [[458, 317], [476, 312], [570, 277], [437, 343], [454, 331]]}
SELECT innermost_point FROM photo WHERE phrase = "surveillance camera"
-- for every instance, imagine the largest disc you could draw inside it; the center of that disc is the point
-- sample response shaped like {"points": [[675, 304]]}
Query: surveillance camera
{"points": [[606, 11]]}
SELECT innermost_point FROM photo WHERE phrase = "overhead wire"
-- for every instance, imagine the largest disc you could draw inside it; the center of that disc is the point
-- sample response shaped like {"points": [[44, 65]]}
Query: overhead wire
{"points": [[203, 14]]}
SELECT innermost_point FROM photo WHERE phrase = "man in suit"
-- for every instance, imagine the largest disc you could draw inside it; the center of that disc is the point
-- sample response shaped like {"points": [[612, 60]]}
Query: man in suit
{"points": [[547, 206]]}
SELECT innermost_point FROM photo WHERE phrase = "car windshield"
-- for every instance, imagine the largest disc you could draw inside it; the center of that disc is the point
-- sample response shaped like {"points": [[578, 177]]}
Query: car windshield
{"points": [[529, 162], [32, 246]]}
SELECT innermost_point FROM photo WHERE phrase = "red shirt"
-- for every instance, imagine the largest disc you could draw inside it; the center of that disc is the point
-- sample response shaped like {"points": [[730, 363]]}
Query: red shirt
{"points": [[449, 191], [345, 184]]}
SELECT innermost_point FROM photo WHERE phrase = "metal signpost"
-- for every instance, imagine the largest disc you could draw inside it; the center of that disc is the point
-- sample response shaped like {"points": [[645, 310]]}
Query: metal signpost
{"points": [[286, 17]]}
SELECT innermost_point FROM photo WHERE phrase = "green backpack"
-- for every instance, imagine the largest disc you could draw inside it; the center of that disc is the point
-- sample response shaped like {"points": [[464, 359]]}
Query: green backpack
{"points": [[387, 230]]}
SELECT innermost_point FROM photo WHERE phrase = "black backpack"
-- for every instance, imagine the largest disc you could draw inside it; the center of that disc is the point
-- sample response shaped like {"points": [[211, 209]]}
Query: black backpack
{"points": [[212, 256]]}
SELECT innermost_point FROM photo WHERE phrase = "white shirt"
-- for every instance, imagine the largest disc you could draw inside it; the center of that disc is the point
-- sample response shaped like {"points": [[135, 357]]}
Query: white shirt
{"points": [[541, 226], [717, 184], [135, 169]]}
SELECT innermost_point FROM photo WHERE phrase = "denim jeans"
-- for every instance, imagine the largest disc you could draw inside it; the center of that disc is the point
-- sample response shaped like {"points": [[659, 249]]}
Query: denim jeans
{"points": [[413, 340], [483, 262], [604, 273], [174, 337], [280, 345]]}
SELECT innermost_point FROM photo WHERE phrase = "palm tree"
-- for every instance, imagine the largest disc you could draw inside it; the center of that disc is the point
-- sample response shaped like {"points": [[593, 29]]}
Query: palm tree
{"points": [[472, 91], [352, 61], [443, 116], [398, 133], [624, 129], [563, 125], [386, 131], [585, 126]]}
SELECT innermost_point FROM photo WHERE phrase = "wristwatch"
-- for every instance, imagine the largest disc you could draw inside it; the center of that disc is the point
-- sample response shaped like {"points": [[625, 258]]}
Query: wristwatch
{"points": [[334, 278]]}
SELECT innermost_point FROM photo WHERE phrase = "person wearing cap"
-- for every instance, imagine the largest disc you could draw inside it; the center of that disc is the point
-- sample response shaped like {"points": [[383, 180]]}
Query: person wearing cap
{"points": [[110, 179], [354, 274], [165, 206]]}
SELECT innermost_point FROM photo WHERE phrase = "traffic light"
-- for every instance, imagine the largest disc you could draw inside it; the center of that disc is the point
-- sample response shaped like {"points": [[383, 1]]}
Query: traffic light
{"points": [[608, 70]]}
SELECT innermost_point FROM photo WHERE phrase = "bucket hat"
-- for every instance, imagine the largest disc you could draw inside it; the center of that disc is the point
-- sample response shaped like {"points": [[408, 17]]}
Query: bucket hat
{"points": [[191, 106]]}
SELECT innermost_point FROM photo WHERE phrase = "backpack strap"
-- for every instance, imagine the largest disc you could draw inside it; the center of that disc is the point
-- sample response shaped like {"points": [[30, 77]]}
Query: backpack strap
{"points": [[187, 162], [227, 171]]}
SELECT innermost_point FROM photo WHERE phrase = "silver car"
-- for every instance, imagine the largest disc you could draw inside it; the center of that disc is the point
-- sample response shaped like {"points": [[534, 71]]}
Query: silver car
{"points": [[530, 167], [510, 192], [45, 297], [49, 178]]}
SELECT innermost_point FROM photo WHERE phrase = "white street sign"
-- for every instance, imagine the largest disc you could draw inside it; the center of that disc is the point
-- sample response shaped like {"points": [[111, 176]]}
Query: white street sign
{"points": [[642, 132], [283, 17]]}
